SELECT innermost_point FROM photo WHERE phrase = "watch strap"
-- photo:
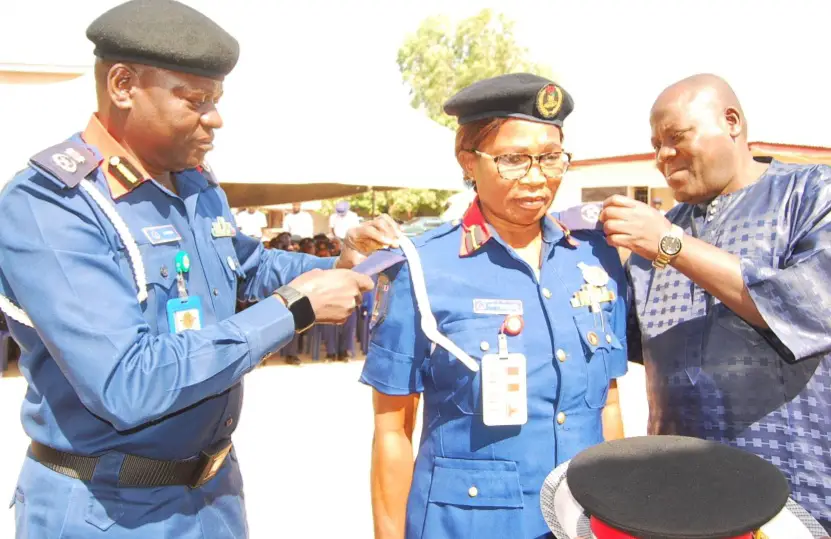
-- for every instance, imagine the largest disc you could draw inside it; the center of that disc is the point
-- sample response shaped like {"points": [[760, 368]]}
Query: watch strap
{"points": [[292, 298], [663, 259]]}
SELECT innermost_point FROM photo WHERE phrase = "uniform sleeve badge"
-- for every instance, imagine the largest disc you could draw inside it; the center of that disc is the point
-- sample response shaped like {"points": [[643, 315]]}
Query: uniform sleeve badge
{"points": [[380, 302]]}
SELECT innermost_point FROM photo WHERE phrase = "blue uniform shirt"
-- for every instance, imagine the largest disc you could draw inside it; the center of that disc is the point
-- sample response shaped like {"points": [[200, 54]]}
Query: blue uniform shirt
{"points": [[572, 354], [709, 373], [105, 373]]}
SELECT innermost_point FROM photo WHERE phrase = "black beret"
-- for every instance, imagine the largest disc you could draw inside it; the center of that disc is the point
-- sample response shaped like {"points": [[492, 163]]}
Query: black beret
{"points": [[517, 95], [166, 34], [673, 487]]}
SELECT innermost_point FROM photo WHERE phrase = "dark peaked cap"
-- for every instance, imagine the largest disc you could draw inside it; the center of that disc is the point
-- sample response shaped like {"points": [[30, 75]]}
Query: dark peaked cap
{"points": [[165, 34], [516, 95]]}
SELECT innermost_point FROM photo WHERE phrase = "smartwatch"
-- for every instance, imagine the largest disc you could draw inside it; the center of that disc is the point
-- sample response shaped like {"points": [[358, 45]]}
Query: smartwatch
{"points": [[300, 307]]}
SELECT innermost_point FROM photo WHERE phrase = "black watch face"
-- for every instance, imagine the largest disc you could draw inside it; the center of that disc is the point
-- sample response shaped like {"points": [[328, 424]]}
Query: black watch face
{"points": [[304, 314], [670, 245]]}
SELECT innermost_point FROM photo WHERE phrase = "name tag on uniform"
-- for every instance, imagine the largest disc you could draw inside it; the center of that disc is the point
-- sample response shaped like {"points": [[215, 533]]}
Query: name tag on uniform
{"points": [[497, 306], [504, 390], [184, 314], [161, 234]]}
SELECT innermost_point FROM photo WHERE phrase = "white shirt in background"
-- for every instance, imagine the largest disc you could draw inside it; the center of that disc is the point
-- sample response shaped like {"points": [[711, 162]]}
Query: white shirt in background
{"points": [[252, 224], [342, 223], [299, 224]]}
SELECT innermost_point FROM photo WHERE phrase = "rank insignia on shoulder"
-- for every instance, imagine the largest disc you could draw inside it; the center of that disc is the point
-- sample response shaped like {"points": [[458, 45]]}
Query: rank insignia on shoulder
{"points": [[69, 162], [583, 217], [380, 302], [221, 228]]}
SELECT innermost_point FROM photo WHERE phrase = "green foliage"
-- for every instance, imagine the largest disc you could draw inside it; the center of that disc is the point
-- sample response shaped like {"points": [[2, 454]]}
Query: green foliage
{"points": [[402, 204], [435, 62], [439, 60]]}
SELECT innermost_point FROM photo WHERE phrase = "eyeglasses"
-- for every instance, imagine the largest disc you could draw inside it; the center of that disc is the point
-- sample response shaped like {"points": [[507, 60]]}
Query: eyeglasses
{"points": [[515, 166]]}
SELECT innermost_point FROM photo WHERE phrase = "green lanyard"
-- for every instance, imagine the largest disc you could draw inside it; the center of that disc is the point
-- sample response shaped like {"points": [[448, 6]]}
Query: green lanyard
{"points": [[182, 267]]}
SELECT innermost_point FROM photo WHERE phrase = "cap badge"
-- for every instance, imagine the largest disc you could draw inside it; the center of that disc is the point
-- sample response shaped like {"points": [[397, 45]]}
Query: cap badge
{"points": [[549, 101]]}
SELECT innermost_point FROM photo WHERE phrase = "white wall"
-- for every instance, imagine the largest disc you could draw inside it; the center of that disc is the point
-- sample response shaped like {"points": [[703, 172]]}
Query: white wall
{"points": [[635, 174]]}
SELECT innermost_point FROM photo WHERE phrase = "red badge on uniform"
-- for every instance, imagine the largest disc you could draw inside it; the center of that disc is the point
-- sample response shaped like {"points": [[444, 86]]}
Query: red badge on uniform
{"points": [[513, 325]]}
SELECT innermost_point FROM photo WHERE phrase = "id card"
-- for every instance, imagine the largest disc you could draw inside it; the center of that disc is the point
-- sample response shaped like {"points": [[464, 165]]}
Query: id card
{"points": [[183, 314], [504, 390]]}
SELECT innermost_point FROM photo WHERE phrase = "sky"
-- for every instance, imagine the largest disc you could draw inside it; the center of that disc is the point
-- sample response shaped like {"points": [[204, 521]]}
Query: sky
{"points": [[315, 62]]}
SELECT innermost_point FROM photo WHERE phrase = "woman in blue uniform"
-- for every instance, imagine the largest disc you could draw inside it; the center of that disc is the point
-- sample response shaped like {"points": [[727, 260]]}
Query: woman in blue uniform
{"points": [[538, 313]]}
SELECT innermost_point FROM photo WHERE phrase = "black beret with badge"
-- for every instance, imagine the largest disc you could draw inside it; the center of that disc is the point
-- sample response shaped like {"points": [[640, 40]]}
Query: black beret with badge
{"points": [[165, 34], [516, 95], [672, 487]]}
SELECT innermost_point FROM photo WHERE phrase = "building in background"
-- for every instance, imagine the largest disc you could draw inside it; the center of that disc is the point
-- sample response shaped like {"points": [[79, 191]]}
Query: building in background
{"points": [[635, 176]]}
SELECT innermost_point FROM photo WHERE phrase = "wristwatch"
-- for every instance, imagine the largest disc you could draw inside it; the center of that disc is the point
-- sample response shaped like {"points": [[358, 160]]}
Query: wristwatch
{"points": [[669, 247], [300, 307]]}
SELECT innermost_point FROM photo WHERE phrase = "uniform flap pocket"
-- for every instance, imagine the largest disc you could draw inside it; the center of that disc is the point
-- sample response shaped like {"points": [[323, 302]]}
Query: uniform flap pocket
{"points": [[224, 248], [159, 264], [596, 331], [476, 483]]}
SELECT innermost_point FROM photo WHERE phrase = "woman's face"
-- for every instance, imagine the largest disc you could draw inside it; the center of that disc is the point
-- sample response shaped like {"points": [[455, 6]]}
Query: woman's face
{"points": [[526, 200]]}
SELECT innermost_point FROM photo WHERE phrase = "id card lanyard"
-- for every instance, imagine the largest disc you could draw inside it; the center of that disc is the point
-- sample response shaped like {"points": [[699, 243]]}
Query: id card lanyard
{"points": [[185, 311]]}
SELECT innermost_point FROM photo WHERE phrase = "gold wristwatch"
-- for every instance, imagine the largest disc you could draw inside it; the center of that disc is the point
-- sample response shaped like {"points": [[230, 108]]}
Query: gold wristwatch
{"points": [[669, 247]]}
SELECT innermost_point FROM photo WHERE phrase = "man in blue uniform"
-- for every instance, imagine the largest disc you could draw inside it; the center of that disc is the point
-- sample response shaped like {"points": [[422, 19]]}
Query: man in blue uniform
{"points": [[512, 331], [731, 290], [120, 265]]}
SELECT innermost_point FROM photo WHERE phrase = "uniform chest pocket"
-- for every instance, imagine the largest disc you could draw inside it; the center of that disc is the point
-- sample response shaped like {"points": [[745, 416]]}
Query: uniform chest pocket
{"points": [[227, 257], [474, 498], [160, 269], [452, 379], [599, 341]]}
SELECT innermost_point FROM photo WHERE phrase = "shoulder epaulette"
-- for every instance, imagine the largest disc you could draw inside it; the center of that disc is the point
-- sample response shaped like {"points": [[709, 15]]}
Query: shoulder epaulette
{"points": [[582, 217], [433, 233], [69, 162]]}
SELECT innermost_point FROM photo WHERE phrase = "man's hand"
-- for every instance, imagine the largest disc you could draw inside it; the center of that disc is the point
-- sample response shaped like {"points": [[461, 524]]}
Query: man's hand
{"points": [[633, 225], [366, 238], [334, 294]]}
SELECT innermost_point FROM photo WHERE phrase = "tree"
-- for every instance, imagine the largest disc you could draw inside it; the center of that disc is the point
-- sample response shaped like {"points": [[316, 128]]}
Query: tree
{"points": [[402, 204], [439, 60], [435, 62]]}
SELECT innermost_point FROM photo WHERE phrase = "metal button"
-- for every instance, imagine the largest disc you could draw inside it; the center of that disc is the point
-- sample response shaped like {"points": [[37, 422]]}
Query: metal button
{"points": [[215, 291], [163, 272], [592, 337], [547, 293], [473, 492], [561, 355], [229, 422], [485, 346], [710, 218], [561, 418], [608, 338]]}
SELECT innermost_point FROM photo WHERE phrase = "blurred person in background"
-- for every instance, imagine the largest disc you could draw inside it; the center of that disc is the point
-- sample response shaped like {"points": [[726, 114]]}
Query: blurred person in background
{"points": [[252, 222], [342, 220], [299, 222]]}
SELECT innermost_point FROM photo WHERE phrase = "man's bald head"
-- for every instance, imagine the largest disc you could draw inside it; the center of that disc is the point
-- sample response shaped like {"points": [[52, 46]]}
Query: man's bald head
{"points": [[700, 137], [704, 91]]}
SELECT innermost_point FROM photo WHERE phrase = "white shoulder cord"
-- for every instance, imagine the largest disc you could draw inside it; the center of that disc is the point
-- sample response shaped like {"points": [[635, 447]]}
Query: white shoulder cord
{"points": [[14, 312], [124, 233], [18, 315], [428, 322]]}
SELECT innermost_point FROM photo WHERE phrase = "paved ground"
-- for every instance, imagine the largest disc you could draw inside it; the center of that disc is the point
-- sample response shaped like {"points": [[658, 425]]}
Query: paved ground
{"points": [[303, 440]]}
